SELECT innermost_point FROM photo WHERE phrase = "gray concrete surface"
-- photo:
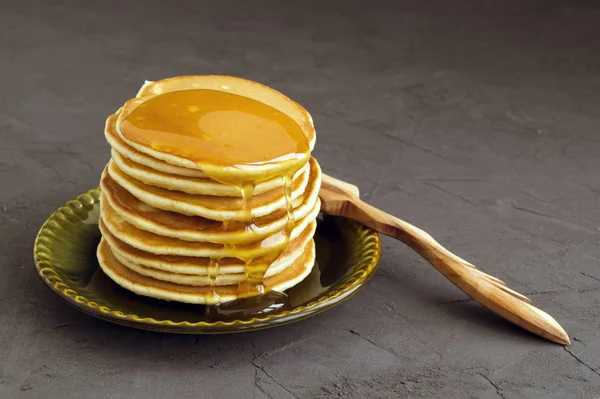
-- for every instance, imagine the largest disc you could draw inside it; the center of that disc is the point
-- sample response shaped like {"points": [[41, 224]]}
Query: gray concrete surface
{"points": [[476, 120]]}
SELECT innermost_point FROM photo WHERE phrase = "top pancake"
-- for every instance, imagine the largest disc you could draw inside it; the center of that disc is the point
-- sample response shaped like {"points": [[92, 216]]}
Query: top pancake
{"points": [[237, 86]]}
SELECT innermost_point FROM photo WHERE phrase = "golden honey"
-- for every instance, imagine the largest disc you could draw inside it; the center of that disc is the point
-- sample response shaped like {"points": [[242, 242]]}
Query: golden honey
{"points": [[216, 128]]}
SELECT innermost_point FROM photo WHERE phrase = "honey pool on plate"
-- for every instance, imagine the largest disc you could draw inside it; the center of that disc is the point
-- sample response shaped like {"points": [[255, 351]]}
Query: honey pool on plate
{"points": [[64, 252]]}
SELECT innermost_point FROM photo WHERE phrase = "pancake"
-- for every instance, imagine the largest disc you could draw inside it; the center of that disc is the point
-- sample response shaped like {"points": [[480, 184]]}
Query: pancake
{"points": [[170, 263], [229, 84], [190, 185], [148, 286], [163, 245], [195, 228], [287, 259], [210, 207], [183, 264]]}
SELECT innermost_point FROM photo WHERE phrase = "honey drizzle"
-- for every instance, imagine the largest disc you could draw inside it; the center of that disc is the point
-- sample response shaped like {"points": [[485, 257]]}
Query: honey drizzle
{"points": [[288, 181], [213, 273], [247, 190], [254, 277], [255, 270]]}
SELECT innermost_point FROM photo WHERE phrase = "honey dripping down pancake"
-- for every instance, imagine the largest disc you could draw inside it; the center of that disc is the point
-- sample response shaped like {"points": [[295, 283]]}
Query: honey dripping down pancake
{"points": [[226, 137]]}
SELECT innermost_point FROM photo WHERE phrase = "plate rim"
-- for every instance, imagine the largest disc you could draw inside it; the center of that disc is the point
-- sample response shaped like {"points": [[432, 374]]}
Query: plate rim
{"points": [[87, 201]]}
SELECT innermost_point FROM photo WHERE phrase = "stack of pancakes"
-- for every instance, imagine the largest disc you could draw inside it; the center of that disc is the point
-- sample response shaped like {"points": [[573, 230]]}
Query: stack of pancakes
{"points": [[170, 231]]}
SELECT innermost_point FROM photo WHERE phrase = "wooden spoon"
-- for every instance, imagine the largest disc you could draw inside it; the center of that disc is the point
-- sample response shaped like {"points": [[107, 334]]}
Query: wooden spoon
{"points": [[341, 199]]}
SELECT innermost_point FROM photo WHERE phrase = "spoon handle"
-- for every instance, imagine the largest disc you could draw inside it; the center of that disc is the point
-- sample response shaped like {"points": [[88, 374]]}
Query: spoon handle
{"points": [[485, 289]]}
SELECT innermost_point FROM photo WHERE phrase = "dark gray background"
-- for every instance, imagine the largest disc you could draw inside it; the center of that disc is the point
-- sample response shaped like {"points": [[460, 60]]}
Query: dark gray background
{"points": [[475, 120]]}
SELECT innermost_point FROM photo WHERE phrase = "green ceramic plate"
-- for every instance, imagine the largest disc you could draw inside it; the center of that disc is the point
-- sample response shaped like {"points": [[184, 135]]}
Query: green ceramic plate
{"points": [[65, 258]]}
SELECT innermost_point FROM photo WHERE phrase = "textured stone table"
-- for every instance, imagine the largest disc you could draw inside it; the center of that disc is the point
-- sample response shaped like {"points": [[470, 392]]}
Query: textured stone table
{"points": [[475, 120]]}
